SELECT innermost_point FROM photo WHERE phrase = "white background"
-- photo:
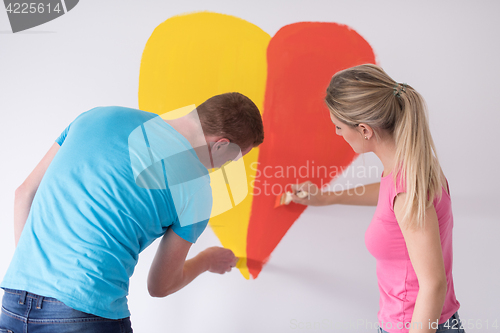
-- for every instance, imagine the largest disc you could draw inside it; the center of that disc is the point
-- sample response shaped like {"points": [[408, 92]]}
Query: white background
{"points": [[321, 272]]}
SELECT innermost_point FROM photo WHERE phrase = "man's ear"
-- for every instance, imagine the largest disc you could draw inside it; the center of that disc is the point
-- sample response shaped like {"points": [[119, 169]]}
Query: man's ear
{"points": [[220, 144]]}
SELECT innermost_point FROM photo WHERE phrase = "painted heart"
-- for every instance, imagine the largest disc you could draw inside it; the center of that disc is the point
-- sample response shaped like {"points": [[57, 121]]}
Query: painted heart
{"points": [[192, 57]]}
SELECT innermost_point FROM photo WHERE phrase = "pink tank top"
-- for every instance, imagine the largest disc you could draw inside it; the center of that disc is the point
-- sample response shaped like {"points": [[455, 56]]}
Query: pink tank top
{"points": [[397, 280]]}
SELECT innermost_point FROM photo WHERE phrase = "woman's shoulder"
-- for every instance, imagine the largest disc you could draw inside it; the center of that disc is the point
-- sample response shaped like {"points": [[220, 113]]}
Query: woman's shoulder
{"points": [[392, 184], [400, 184], [444, 181]]}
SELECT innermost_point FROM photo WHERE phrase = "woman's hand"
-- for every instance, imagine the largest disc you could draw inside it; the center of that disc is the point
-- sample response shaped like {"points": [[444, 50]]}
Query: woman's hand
{"points": [[314, 195]]}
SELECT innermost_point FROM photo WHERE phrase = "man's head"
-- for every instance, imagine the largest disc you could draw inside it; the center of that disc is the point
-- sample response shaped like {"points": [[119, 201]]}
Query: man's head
{"points": [[230, 120]]}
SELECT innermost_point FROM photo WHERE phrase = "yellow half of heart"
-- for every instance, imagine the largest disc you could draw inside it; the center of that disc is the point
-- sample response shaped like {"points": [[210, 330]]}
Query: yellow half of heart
{"points": [[190, 58]]}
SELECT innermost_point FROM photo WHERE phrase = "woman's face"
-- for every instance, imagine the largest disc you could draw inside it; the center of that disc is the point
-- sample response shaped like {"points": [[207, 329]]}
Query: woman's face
{"points": [[351, 135]]}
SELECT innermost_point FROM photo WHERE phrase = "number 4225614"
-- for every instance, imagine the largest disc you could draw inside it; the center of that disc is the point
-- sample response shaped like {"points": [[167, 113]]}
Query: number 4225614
{"points": [[33, 7]]}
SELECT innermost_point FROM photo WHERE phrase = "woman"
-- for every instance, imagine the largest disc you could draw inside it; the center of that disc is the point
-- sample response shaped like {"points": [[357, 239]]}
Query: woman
{"points": [[411, 232]]}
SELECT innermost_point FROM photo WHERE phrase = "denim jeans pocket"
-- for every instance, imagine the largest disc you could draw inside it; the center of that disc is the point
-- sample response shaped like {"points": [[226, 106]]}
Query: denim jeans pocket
{"points": [[3, 330], [452, 325]]}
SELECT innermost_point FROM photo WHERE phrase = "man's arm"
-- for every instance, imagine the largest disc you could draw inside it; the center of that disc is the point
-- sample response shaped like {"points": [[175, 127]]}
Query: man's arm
{"points": [[26, 192], [170, 271]]}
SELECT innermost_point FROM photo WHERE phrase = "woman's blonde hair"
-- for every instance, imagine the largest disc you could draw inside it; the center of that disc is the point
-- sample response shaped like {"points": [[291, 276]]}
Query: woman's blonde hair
{"points": [[366, 94]]}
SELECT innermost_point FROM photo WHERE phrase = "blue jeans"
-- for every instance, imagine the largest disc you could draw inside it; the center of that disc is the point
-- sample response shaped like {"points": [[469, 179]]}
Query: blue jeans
{"points": [[27, 312], [452, 325]]}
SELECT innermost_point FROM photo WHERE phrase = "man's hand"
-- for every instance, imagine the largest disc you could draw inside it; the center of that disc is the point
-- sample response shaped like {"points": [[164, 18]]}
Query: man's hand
{"points": [[219, 260]]}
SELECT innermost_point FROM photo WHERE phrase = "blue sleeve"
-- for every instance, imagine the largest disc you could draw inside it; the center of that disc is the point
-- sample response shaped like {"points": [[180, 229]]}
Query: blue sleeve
{"points": [[60, 139], [194, 218], [190, 232], [63, 135]]}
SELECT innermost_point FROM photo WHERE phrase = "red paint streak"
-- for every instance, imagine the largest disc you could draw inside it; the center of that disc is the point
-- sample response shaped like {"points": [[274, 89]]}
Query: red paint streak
{"points": [[302, 58]]}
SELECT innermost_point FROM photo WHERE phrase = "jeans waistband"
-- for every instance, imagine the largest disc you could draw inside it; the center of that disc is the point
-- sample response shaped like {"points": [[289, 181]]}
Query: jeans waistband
{"points": [[23, 295]]}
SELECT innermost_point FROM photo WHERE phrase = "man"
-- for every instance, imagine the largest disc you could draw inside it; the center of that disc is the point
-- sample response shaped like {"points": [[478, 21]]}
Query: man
{"points": [[115, 180]]}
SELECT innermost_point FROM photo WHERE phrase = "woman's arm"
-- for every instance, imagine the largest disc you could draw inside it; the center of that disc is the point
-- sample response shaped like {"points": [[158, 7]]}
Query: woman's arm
{"points": [[26, 192], [364, 195], [424, 249]]}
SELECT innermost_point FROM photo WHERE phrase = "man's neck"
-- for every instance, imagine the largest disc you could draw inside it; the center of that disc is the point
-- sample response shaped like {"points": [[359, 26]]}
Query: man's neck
{"points": [[189, 127]]}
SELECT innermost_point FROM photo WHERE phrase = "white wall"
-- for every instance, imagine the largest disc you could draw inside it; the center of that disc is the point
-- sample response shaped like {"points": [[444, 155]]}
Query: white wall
{"points": [[321, 271]]}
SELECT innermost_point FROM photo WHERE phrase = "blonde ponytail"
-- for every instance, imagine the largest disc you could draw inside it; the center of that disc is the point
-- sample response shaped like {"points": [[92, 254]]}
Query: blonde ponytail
{"points": [[417, 158], [366, 94]]}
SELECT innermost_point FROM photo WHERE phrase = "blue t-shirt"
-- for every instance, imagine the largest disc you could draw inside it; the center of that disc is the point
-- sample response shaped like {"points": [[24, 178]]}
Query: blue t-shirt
{"points": [[105, 197]]}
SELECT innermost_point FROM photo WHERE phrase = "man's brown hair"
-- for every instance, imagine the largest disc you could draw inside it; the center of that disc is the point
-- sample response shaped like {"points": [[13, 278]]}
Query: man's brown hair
{"points": [[233, 116]]}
